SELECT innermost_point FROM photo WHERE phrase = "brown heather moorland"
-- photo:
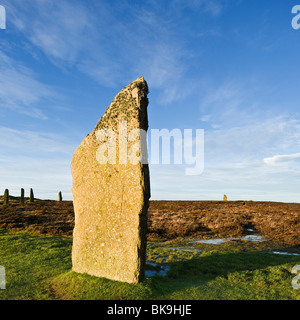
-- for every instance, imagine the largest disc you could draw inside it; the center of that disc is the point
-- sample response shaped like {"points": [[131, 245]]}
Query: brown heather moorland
{"points": [[278, 222]]}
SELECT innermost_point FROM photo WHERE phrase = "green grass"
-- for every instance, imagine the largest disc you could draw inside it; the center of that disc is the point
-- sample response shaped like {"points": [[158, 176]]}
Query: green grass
{"points": [[39, 267]]}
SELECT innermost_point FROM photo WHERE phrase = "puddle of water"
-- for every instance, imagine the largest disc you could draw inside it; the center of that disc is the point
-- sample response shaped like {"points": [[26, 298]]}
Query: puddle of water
{"points": [[211, 241], [220, 241], [253, 238], [152, 264], [162, 272], [285, 253], [150, 273]]}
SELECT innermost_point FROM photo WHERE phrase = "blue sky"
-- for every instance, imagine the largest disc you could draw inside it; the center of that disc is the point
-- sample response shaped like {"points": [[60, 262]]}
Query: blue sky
{"points": [[230, 67]]}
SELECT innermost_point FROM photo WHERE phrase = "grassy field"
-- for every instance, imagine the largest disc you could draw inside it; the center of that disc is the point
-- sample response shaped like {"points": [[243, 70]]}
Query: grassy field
{"points": [[39, 267]]}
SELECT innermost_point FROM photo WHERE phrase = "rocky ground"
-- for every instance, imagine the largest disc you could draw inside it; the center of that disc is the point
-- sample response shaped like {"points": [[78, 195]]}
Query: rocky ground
{"points": [[279, 222]]}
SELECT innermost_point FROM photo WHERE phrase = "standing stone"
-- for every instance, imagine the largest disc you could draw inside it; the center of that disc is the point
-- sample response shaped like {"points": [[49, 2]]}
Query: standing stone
{"points": [[6, 196], [225, 197], [111, 199], [31, 197], [60, 198], [22, 198]]}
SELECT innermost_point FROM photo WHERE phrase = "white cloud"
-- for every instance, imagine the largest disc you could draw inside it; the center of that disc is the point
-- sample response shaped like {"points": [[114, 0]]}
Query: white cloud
{"points": [[56, 28], [282, 158], [206, 118]]}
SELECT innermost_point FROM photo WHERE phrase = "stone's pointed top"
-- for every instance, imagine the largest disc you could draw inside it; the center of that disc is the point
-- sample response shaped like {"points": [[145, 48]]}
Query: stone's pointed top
{"points": [[130, 105], [139, 79], [139, 83]]}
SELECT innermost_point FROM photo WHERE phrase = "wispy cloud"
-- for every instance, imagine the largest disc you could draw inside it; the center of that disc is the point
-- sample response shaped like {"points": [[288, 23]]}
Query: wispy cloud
{"points": [[254, 141], [214, 7], [94, 40], [20, 89], [26, 142], [230, 103], [71, 34], [56, 28], [282, 158]]}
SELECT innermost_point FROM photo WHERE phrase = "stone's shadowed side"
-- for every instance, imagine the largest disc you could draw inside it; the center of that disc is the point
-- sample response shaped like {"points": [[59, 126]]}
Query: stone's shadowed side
{"points": [[111, 200]]}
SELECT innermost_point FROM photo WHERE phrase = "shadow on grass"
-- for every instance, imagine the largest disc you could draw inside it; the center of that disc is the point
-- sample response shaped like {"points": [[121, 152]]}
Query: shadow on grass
{"points": [[234, 275], [245, 275]]}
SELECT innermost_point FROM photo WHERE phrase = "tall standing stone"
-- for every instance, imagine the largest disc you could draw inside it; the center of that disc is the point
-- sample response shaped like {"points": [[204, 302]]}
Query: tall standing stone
{"points": [[111, 199]]}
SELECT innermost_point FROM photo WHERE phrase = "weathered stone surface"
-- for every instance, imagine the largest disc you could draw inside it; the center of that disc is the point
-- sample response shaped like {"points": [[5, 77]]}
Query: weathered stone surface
{"points": [[111, 200]]}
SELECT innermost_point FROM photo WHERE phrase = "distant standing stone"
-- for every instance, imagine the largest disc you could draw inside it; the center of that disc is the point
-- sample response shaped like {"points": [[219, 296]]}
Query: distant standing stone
{"points": [[22, 198], [225, 197], [6, 196], [31, 197], [111, 199], [60, 198]]}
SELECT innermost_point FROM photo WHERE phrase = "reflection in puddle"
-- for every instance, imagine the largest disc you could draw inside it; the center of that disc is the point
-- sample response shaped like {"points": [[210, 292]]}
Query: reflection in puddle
{"points": [[220, 241], [285, 253], [162, 272], [253, 238], [211, 241]]}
